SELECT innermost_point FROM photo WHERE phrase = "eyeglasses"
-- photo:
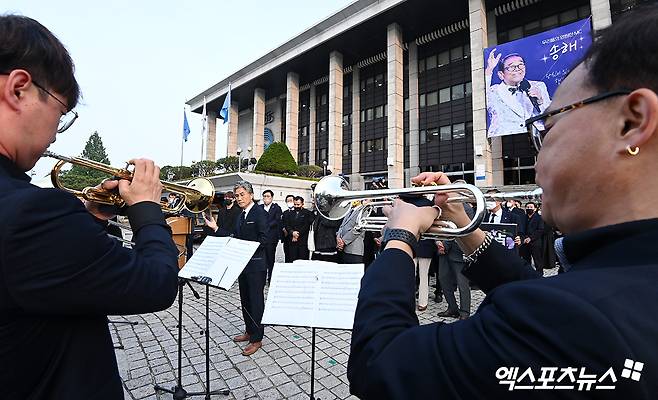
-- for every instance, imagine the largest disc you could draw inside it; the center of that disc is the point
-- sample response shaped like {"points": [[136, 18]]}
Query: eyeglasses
{"points": [[536, 126], [515, 67], [67, 119]]}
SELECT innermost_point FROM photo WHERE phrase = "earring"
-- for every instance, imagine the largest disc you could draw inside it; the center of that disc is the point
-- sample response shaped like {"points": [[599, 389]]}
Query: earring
{"points": [[632, 152]]}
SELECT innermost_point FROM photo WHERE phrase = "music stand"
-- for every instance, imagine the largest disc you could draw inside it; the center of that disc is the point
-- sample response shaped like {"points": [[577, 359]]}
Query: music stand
{"points": [[331, 290], [178, 392]]}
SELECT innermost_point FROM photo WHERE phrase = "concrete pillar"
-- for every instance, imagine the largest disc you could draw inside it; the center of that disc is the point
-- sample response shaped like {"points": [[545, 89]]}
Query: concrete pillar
{"points": [[414, 138], [395, 95], [258, 133], [356, 127], [601, 15], [212, 136], [311, 126], [497, 142], [335, 150], [232, 133], [292, 113], [479, 40]]}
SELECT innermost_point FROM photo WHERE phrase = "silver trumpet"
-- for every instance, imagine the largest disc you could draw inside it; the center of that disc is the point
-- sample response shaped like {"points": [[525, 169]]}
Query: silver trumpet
{"points": [[333, 200]]}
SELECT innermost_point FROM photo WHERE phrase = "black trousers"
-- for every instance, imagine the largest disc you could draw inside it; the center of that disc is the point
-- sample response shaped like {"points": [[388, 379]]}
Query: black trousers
{"points": [[270, 255], [286, 250], [252, 300], [298, 252], [347, 258]]}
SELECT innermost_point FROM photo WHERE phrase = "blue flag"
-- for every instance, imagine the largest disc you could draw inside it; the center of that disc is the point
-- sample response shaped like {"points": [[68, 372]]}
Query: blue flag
{"points": [[224, 111], [186, 127]]}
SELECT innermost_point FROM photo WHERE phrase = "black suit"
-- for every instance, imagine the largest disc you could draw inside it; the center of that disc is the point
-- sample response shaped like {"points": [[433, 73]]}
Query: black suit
{"points": [[534, 249], [60, 276], [596, 315], [510, 217], [300, 221], [252, 278], [273, 234]]}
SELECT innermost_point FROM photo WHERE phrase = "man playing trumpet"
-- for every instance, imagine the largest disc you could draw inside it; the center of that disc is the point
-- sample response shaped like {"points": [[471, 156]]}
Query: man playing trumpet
{"points": [[596, 322]]}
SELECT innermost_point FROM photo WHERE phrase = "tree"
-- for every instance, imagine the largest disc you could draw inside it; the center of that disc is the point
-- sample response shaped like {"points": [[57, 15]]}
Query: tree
{"points": [[204, 168], [309, 171], [178, 173], [228, 164], [277, 159], [79, 177]]}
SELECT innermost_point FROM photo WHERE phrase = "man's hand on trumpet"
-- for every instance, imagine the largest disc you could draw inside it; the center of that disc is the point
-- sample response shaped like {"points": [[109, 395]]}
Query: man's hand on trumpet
{"points": [[145, 186]]}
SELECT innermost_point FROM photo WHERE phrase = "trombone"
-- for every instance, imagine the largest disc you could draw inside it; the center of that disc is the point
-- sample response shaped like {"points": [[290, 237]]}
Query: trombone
{"points": [[333, 200], [197, 195]]}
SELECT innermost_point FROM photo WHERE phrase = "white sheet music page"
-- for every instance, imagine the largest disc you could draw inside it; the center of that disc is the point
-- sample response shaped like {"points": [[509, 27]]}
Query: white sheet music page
{"points": [[314, 294], [219, 261]]}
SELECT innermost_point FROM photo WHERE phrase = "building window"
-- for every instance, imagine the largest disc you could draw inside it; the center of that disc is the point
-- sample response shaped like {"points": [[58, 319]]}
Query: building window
{"points": [[379, 80], [369, 114], [378, 144], [467, 50], [458, 92], [422, 136], [432, 98], [456, 53], [363, 116], [421, 100], [432, 134], [346, 91], [444, 58], [363, 86], [303, 131], [347, 119], [444, 95], [406, 104], [445, 133], [321, 126], [347, 149], [468, 89], [385, 110], [321, 155], [458, 131], [370, 81], [379, 112], [430, 62], [421, 65]]}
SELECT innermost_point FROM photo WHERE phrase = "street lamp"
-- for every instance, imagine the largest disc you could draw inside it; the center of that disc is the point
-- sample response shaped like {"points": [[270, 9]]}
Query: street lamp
{"points": [[248, 159], [239, 151], [324, 168]]}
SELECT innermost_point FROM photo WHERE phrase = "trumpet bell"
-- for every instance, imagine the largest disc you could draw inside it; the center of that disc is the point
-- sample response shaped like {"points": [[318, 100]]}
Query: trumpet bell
{"points": [[197, 204], [330, 199]]}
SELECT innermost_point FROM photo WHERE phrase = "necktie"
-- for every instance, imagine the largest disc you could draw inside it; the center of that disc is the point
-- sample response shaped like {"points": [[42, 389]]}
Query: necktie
{"points": [[492, 217], [242, 218], [513, 90]]}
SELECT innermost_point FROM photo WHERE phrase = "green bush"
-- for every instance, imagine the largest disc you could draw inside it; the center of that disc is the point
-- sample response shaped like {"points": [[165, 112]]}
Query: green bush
{"points": [[277, 159], [309, 171]]}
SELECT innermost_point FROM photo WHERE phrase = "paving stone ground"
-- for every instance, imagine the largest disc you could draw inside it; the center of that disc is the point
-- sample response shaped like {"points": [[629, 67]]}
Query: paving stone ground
{"points": [[280, 370]]}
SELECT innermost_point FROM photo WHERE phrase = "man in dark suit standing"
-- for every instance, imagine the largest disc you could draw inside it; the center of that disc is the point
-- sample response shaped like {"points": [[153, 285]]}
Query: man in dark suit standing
{"points": [[60, 273], [251, 225], [597, 143], [497, 214], [298, 225], [274, 225], [285, 237], [532, 247]]}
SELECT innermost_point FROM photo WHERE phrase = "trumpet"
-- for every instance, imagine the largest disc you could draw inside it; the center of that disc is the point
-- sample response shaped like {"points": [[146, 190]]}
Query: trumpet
{"points": [[333, 200], [197, 195]]}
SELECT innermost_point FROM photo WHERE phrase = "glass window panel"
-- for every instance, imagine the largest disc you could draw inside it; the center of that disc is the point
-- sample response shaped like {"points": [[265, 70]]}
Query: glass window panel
{"points": [[444, 95], [386, 110], [430, 62], [363, 116], [458, 131], [363, 85], [421, 65], [445, 133], [515, 33], [379, 112], [467, 50], [583, 11], [468, 89], [432, 98], [549, 22], [406, 104], [423, 136], [458, 92], [421, 100], [566, 17], [444, 58], [369, 114], [527, 176], [527, 161], [370, 81], [456, 53]]}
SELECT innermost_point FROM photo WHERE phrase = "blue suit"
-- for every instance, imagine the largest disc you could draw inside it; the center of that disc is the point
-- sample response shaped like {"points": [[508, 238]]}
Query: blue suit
{"points": [[60, 276], [598, 314]]}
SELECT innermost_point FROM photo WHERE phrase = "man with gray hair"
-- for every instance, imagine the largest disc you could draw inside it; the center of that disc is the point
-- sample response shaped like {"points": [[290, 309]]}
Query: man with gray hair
{"points": [[251, 225]]}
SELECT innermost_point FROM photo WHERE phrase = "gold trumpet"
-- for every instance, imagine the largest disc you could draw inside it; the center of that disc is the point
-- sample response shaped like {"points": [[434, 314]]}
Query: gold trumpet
{"points": [[197, 195]]}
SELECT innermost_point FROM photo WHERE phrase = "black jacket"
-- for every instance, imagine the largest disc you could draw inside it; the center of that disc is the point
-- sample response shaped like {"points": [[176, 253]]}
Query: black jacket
{"points": [[535, 228], [253, 229], [324, 232], [300, 221], [274, 223], [510, 217], [60, 276], [227, 217], [596, 315]]}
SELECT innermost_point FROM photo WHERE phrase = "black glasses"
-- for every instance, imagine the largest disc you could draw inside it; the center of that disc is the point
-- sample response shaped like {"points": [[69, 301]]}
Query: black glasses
{"points": [[67, 119], [536, 126], [515, 67]]}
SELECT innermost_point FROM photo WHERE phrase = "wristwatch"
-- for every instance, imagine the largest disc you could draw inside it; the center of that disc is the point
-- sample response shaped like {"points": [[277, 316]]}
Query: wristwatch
{"points": [[402, 235]]}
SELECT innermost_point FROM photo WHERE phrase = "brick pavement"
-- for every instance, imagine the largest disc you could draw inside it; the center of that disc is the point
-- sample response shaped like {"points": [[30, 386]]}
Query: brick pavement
{"points": [[280, 370]]}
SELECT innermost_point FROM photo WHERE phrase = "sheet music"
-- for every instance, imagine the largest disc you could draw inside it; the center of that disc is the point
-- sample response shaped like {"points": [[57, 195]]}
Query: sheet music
{"points": [[219, 261], [314, 294]]}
